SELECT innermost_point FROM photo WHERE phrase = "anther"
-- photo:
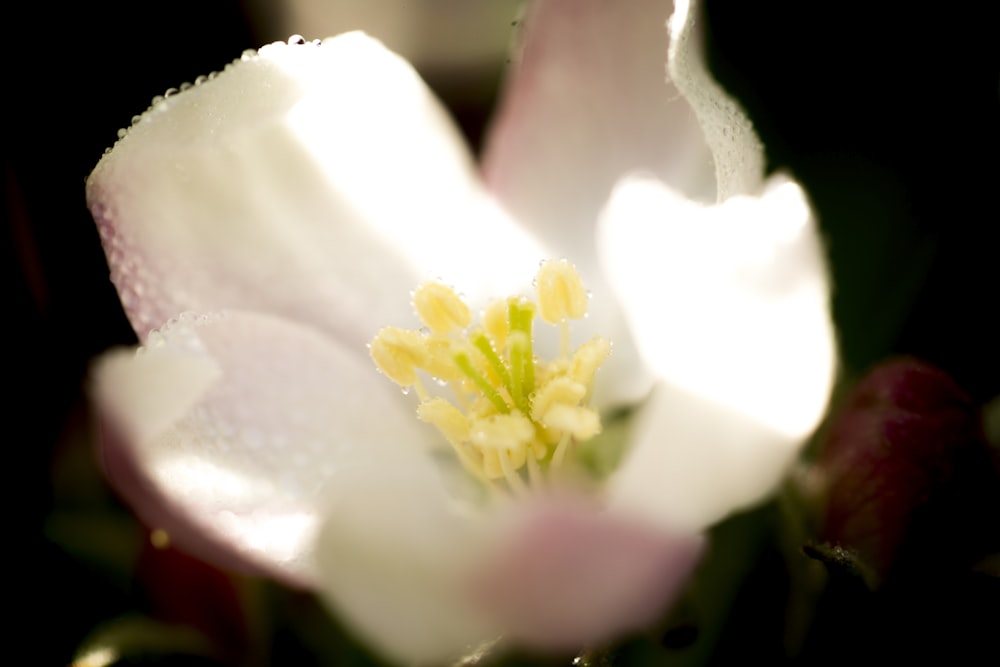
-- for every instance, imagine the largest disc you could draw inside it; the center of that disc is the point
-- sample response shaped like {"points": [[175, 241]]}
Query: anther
{"points": [[440, 308], [511, 431], [398, 353], [561, 391], [452, 424], [561, 295], [582, 423], [496, 324], [588, 358]]}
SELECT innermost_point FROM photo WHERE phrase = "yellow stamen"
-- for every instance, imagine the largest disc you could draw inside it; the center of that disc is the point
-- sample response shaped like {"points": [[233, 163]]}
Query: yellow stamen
{"points": [[514, 418], [560, 292], [398, 353], [454, 426], [495, 323], [587, 359], [440, 308]]}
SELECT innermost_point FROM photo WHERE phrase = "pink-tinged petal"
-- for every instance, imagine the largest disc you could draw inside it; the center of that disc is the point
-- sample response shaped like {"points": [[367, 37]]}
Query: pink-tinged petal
{"points": [[317, 182], [233, 433], [567, 576], [394, 553], [588, 102], [729, 307]]}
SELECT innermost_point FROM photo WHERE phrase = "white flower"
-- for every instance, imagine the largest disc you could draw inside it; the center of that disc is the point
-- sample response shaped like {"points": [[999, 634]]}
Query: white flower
{"points": [[295, 199]]}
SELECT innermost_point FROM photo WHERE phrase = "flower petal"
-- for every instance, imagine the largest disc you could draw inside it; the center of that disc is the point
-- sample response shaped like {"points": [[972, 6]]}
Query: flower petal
{"points": [[729, 306], [588, 102], [736, 150], [233, 432], [693, 461], [566, 576], [427, 579], [395, 552], [317, 182]]}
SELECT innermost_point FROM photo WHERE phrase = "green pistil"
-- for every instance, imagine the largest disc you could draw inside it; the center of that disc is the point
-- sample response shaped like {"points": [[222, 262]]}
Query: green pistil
{"points": [[489, 391], [522, 364], [517, 345], [483, 344]]}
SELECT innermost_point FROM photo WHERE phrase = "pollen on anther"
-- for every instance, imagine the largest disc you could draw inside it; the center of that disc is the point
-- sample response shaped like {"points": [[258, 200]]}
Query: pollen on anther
{"points": [[440, 308], [561, 295], [397, 353]]}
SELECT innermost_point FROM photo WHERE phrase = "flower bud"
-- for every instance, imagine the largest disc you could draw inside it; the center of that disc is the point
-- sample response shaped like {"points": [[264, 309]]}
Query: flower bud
{"points": [[899, 473]]}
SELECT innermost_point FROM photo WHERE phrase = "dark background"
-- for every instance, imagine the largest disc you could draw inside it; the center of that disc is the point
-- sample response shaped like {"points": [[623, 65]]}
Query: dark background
{"points": [[889, 115]]}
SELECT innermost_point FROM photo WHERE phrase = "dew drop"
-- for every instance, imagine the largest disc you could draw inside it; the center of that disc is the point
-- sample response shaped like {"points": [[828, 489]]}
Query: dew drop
{"points": [[185, 86], [157, 100], [296, 39], [248, 55], [122, 132], [170, 92], [200, 80], [136, 119]]}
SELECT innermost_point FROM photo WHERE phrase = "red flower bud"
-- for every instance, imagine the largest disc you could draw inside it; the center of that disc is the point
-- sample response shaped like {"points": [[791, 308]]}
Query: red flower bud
{"points": [[898, 469]]}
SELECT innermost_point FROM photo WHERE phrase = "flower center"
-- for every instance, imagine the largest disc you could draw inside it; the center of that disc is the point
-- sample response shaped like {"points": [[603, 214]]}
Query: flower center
{"points": [[513, 416]]}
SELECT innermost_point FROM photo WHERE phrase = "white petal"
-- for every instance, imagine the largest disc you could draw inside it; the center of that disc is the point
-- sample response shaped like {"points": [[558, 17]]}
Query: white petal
{"points": [[396, 552], [694, 461], [321, 183], [735, 147], [234, 432], [729, 306]]}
